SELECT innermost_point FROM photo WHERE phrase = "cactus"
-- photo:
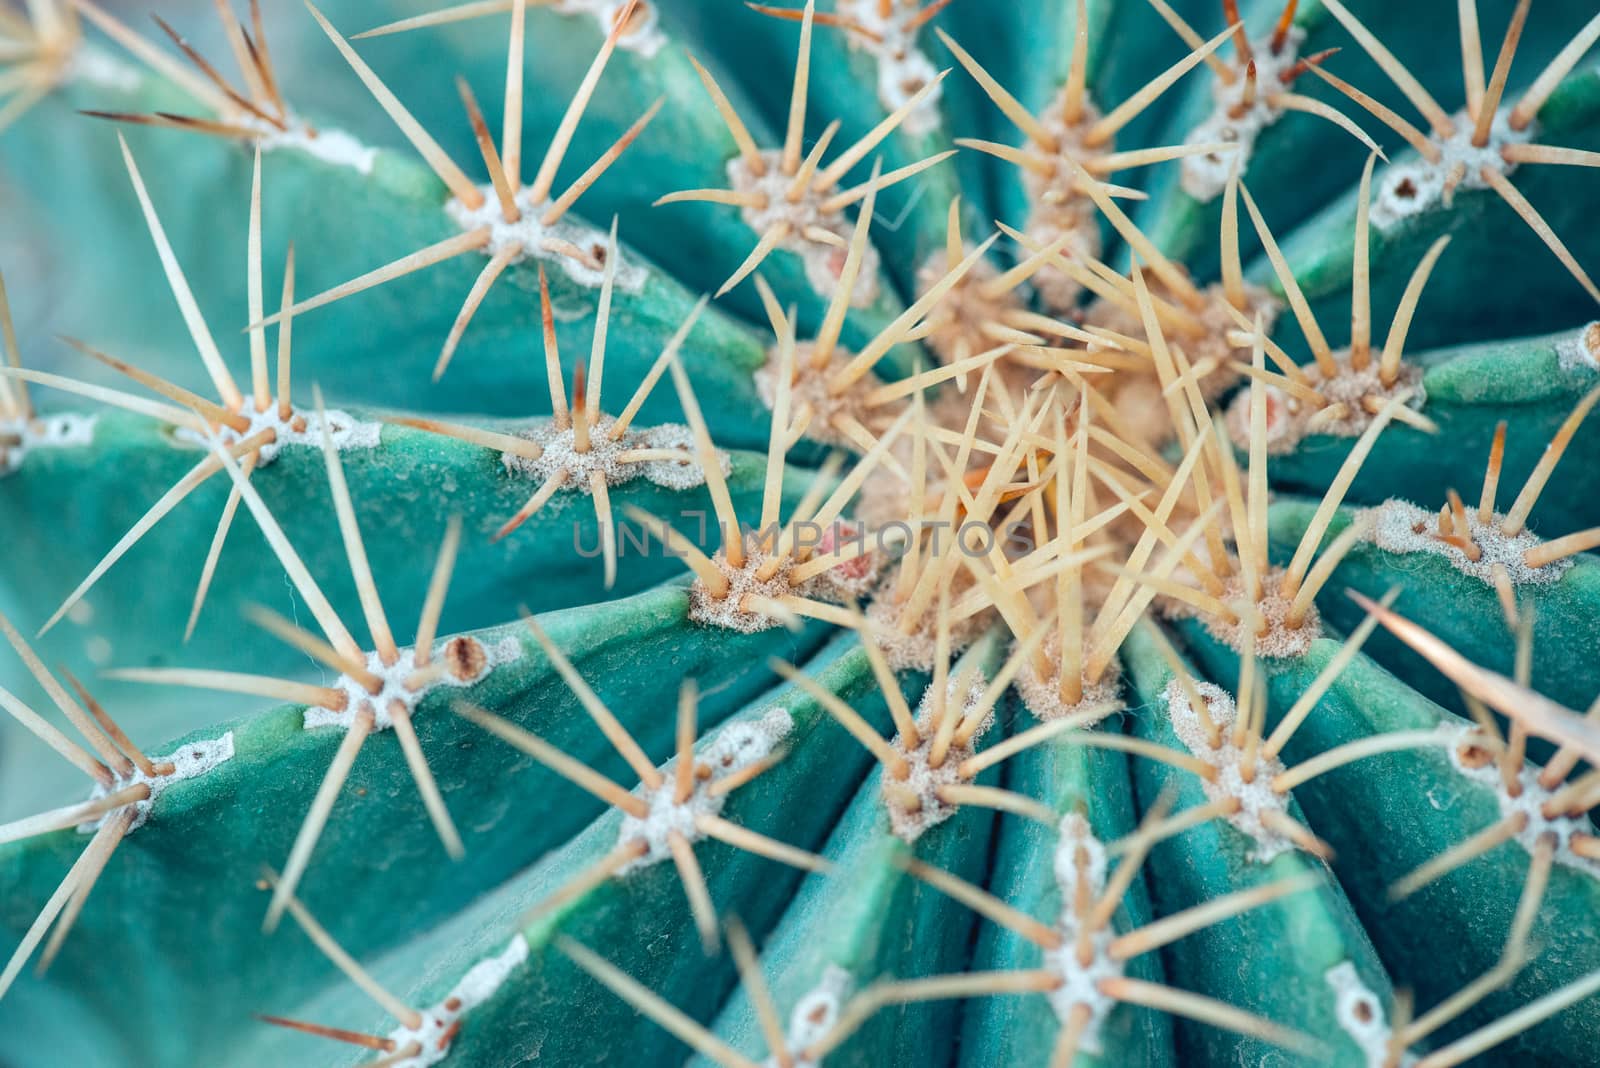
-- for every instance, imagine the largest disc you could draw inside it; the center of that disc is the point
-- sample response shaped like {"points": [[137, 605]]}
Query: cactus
{"points": [[1077, 646]]}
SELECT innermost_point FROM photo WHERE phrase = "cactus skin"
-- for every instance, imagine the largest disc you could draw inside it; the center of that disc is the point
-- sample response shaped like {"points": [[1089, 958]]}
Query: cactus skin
{"points": [[1438, 593], [585, 927], [390, 482], [1469, 389], [1317, 930], [1070, 778], [1433, 940], [261, 794]]}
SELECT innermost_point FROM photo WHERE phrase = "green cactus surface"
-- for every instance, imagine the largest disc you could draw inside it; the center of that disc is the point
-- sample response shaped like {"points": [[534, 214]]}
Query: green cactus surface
{"points": [[811, 534]]}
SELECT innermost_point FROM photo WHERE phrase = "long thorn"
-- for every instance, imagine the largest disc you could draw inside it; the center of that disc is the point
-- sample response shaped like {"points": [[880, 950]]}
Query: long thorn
{"points": [[355, 549], [609, 725], [562, 138], [672, 1019], [311, 829], [199, 332], [408, 1017], [437, 158]]}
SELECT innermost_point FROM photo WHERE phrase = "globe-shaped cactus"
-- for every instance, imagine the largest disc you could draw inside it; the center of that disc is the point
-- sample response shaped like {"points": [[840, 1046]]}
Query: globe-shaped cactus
{"points": [[1048, 533]]}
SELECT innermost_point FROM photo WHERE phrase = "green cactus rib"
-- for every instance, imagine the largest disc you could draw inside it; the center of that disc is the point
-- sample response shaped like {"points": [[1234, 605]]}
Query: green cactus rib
{"points": [[868, 920], [647, 66], [403, 488], [546, 1007], [391, 207], [1491, 246], [1531, 383], [344, 223], [1463, 611], [1092, 783], [1310, 933], [706, 243], [1293, 147], [178, 908], [1287, 170], [720, 354], [1447, 934]]}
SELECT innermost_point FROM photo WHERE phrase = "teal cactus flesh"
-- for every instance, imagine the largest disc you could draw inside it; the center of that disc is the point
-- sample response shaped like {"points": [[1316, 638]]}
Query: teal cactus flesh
{"points": [[860, 532]]}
